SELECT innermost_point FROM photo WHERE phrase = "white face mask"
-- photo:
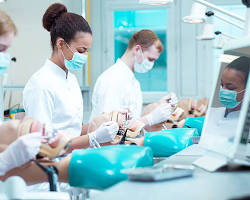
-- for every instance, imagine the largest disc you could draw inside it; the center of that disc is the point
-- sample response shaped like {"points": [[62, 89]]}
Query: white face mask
{"points": [[143, 67]]}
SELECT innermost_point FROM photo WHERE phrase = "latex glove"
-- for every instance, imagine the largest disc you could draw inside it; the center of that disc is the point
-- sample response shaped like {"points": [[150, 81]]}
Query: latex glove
{"points": [[159, 114], [19, 152], [105, 133], [171, 98]]}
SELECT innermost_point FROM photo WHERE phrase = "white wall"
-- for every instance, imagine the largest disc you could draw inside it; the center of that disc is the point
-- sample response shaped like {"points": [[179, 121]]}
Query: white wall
{"points": [[31, 46]]}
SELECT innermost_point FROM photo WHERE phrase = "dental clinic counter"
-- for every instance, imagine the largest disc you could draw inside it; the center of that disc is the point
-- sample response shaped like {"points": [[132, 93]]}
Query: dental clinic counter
{"points": [[203, 185]]}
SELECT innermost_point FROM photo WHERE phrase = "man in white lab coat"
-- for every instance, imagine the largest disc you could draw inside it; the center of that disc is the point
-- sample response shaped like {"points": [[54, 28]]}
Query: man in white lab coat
{"points": [[117, 88]]}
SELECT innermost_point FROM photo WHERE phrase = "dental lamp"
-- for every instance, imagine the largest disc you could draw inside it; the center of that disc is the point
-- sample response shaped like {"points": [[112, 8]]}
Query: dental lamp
{"points": [[199, 18], [197, 15], [223, 39], [155, 2], [221, 42], [208, 32], [198, 12]]}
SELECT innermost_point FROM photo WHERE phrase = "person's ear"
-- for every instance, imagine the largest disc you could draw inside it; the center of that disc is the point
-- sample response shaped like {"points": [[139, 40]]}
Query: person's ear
{"points": [[60, 43], [136, 49]]}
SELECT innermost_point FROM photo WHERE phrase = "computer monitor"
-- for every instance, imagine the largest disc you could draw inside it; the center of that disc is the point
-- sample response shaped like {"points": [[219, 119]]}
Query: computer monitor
{"points": [[225, 137]]}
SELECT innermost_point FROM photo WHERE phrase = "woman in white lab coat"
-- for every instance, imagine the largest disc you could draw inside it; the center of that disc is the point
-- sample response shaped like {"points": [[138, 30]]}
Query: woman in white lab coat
{"points": [[223, 120], [52, 95]]}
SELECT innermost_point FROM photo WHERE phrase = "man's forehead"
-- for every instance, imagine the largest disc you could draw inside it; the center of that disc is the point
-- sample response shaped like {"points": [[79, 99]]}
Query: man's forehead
{"points": [[153, 52]]}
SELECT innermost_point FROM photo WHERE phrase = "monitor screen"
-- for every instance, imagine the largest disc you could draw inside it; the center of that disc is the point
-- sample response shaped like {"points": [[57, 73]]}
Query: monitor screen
{"points": [[222, 120]]}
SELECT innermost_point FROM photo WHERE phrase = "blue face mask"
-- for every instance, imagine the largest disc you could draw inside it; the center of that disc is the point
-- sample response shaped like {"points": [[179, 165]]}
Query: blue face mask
{"points": [[77, 61], [4, 62], [228, 98]]}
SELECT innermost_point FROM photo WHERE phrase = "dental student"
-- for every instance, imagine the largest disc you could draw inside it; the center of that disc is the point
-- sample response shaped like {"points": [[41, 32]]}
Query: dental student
{"points": [[117, 88], [224, 119], [52, 95]]}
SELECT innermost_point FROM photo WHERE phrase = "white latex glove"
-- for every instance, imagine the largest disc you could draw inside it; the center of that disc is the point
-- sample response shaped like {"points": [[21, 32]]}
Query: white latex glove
{"points": [[105, 133], [19, 152], [171, 98], [159, 114]]}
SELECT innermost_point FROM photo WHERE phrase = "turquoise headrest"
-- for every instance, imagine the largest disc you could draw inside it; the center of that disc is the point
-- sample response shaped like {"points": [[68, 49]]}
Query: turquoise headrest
{"points": [[195, 122], [101, 168], [168, 142]]}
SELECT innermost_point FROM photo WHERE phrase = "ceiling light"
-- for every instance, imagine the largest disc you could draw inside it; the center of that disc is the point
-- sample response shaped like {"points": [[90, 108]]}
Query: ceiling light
{"points": [[155, 2], [197, 14]]}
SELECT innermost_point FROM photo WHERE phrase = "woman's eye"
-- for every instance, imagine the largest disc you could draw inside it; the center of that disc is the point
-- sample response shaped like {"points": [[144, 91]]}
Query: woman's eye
{"points": [[82, 50]]}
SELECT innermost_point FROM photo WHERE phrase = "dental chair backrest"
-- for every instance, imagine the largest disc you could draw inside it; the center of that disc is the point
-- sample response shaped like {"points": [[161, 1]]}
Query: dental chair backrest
{"points": [[14, 188]]}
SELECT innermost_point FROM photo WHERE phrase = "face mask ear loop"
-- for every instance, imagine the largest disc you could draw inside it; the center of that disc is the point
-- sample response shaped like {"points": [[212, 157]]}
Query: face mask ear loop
{"points": [[63, 54], [241, 91], [69, 48]]}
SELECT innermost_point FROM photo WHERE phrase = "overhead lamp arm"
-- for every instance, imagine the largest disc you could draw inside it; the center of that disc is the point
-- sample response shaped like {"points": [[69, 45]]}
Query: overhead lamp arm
{"points": [[238, 17], [211, 13], [227, 35]]}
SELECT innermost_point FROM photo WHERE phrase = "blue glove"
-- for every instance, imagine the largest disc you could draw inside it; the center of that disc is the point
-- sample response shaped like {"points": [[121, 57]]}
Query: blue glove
{"points": [[168, 142], [195, 122], [101, 168]]}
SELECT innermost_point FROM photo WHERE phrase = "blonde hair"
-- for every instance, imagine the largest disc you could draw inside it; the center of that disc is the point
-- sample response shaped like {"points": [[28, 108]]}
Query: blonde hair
{"points": [[145, 38], [6, 24]]}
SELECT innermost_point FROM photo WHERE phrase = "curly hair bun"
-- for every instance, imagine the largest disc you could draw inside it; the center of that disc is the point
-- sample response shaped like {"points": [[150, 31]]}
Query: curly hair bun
{"points": [[52, 14]]}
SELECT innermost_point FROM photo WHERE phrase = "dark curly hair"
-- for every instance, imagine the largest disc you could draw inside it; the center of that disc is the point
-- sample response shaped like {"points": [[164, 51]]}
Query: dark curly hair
{"points": [[241, 64], [61, 23]]}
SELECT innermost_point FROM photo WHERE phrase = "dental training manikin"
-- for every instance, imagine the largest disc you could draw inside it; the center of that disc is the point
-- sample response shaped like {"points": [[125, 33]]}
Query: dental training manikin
{"points": [[111, 159]]}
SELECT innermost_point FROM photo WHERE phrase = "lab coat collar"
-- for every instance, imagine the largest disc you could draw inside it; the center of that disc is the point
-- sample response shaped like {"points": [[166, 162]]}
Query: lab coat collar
{"points": [[56, 69], [125, 67], [233, 114]]}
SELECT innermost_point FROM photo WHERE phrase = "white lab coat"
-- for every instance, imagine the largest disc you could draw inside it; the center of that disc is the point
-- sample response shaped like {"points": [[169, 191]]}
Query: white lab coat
{"points": [[117, 88], [222, 126], [53, 99]]}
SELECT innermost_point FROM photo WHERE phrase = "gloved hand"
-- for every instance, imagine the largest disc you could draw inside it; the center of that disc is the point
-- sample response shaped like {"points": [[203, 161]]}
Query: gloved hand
{"points": [[171, 98], [105, 133], [19, 152], [159, 114]]}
